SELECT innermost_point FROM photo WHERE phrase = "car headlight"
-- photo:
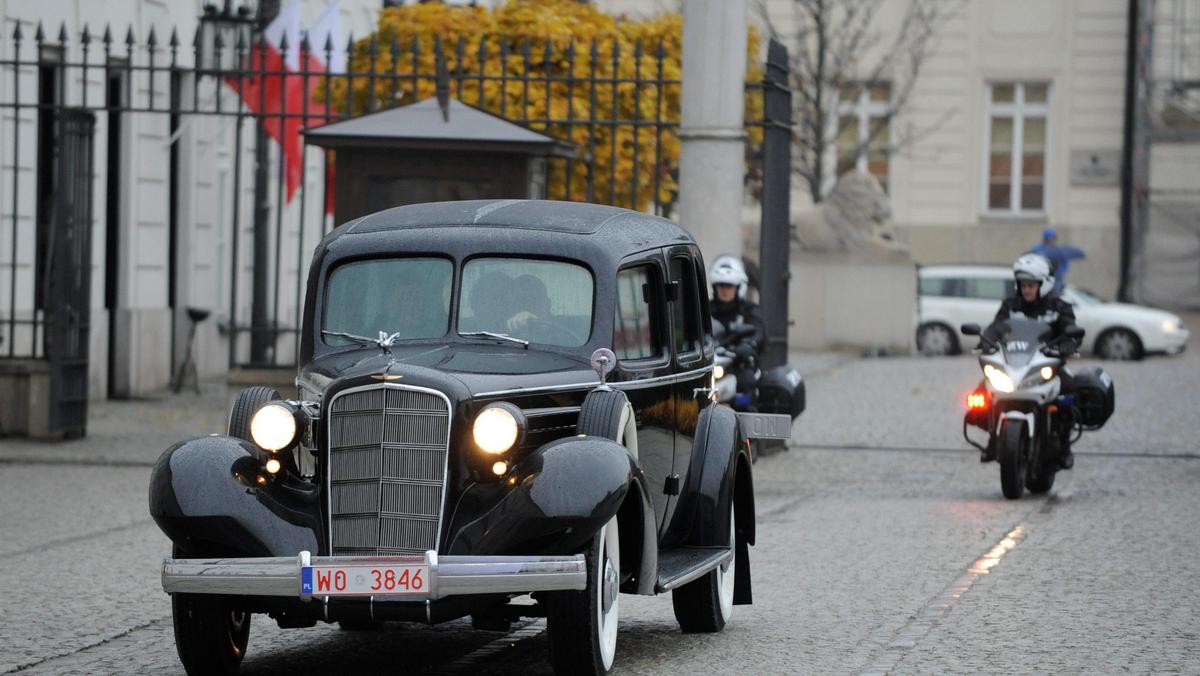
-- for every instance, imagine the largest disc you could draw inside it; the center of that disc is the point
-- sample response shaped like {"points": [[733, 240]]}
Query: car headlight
{"points": [[1170, 326], [999, 379], [1047, 373], [273, 427], [498, 427], [718, 372]]}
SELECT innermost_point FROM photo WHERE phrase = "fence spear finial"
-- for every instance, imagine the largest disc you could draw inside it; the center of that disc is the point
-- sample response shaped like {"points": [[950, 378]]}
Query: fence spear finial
{"points": [[62, 33]]}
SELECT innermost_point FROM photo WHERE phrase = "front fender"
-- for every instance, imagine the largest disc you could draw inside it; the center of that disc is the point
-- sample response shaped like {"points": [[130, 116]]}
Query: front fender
{"points": [[205, 496], [552, 502]]}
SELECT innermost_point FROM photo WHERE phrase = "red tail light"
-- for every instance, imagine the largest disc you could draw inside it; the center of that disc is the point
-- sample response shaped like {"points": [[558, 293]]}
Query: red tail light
{"points": [[977, 400]]}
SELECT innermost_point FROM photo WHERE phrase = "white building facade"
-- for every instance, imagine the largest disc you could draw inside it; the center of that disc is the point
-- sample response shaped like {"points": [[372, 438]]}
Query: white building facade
{"points": [[1015, 124]]}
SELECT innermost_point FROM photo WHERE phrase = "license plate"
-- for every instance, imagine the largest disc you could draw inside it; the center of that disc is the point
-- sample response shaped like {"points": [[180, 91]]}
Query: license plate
{"points": [[365, 580], [766, 425]]}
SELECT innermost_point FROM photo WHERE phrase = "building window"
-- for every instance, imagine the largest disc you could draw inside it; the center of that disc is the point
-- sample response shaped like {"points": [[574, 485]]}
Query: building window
{"points": [[864, 132], [1016, 148]]}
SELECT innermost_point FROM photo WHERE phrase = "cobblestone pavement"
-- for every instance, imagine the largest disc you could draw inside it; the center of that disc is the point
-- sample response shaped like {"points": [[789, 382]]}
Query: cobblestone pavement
{"points": [[884, 546]]}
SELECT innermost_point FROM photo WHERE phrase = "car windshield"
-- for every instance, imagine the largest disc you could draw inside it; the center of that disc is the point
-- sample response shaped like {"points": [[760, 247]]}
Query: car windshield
{"points": [[540, 301], [408, 296]]}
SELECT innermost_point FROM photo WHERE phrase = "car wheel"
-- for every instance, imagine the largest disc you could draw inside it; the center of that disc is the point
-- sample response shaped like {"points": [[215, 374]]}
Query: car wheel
{"points": [[210, 633], [247, 402], [706, 605], [1119, 345], [608, 414], [936, 340], [582, 625]]}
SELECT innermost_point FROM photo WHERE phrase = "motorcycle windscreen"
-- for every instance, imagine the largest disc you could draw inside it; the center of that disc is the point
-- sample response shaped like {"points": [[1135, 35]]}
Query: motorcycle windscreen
{"points": [[1021, 338]]}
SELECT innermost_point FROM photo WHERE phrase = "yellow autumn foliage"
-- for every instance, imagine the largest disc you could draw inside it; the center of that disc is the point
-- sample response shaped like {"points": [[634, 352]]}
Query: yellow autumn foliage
{"points": [[559, 66]]}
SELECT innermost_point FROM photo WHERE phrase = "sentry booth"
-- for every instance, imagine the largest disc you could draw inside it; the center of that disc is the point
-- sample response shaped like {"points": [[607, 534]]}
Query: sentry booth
{"points": [[430, 152]]}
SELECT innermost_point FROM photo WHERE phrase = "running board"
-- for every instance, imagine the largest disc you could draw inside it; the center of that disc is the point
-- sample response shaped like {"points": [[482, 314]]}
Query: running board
{"points": [[677, 567]]}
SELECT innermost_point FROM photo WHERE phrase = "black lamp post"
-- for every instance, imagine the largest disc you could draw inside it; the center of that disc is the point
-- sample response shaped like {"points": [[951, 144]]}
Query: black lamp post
{"points": [[221, 30]]}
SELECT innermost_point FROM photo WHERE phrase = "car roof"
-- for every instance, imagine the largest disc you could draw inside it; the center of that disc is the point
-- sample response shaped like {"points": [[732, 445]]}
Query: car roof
{"points": [[965, 270], [576, 218]]}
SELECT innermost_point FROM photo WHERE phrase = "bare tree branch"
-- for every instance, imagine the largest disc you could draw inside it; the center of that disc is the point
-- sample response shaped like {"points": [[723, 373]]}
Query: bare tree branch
{"points": [[830, 42]]}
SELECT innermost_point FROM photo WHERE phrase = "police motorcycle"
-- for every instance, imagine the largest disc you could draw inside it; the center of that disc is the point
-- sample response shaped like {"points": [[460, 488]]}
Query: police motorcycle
{"points": [[779, 389], [1030, 421]]}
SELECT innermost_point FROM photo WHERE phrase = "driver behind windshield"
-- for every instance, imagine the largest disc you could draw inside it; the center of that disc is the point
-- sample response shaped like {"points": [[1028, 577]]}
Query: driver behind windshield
{"points": [[1037, 299]]}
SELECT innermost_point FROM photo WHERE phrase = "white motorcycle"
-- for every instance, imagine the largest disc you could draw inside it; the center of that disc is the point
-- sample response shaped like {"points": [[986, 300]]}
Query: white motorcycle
{"points": [[1030, 423]]}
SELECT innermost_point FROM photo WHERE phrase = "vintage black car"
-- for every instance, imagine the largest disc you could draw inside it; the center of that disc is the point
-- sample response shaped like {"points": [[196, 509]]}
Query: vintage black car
{"points": [[497, 398]]}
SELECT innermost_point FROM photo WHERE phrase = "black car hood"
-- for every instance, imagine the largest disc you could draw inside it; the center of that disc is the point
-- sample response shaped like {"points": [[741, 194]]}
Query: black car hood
{"points": [[481, 368]]}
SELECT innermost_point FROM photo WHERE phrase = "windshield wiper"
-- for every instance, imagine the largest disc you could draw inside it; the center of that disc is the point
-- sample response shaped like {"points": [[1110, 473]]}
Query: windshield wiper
{"points": [[497, 336]]}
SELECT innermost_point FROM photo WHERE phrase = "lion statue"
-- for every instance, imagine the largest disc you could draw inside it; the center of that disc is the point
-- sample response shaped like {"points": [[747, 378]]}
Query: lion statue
{"points": [[852, 219]]}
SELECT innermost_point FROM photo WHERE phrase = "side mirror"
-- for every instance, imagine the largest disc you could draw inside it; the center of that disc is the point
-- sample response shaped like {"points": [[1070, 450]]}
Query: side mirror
{"points": [[971, 330], [1074, 333]]}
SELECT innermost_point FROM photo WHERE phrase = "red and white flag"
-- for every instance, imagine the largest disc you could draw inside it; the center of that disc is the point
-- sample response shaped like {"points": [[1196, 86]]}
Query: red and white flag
{"points": [[283, 79]]}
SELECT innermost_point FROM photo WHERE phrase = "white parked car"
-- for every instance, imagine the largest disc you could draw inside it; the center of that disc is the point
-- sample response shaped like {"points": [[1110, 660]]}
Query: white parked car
{"points": [[952, 295]]}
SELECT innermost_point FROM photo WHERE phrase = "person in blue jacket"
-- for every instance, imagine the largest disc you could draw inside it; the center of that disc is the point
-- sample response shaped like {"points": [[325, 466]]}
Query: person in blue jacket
{"points": [[1060, 255]]}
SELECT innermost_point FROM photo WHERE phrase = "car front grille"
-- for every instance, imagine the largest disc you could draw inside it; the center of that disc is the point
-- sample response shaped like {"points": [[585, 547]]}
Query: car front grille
{"points": [[388, 446]]}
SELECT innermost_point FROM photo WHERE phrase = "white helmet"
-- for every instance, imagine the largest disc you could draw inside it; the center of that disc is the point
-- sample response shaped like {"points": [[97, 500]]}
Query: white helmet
{"points": [[728, 269], [1036, 268]]}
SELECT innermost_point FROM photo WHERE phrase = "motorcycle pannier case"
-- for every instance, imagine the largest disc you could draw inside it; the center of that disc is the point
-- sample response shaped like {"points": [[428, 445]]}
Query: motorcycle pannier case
{"points": [[1094, 396], [781, 390]]}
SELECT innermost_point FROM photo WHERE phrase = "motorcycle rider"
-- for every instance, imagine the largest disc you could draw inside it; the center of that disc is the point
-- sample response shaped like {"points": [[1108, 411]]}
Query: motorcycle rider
{"points": [[730, 308], [1036, 298]]}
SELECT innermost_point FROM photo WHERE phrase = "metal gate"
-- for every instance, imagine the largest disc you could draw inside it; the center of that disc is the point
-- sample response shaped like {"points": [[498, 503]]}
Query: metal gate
{"points": [[68, 273], [606, 90]]}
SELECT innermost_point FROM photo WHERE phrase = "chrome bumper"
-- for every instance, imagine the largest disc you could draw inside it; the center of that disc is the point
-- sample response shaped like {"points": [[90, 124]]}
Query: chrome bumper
{"points": [[449, 575]]}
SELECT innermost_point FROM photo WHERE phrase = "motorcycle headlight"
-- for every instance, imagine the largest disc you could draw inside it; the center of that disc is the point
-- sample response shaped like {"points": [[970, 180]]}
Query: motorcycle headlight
{"points": [[273, 427], [498, 427], [718, 372], [999, 379]]}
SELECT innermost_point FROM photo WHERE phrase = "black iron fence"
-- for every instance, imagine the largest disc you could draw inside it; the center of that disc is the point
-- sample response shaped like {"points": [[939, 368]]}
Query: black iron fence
{"points": [[616, 101]]}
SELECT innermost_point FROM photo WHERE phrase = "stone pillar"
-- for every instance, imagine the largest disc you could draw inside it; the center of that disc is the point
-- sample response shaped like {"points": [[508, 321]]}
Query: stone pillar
{"points": [[712, 154]]}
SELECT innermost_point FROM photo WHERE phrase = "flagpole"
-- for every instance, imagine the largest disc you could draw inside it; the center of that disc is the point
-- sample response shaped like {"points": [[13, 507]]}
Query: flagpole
{"points": [[260, 339]]}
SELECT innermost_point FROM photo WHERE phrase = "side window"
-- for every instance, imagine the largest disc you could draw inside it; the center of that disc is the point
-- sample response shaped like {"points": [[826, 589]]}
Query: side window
{"points": [[989, 288], [935, 286], [685, 312], [634, 335], [954, 287]]}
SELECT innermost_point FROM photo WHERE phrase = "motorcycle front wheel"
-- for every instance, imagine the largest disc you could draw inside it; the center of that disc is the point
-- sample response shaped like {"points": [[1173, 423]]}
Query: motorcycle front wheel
{"points": [[1012, 450]]}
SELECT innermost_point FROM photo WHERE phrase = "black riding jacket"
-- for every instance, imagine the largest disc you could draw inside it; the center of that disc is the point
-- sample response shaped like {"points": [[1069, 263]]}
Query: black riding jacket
{"points": [[1050, 309], [737, 313]]}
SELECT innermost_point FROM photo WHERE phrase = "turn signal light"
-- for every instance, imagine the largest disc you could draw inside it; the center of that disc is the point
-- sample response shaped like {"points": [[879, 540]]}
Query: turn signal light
{"points": [[977, 400]]}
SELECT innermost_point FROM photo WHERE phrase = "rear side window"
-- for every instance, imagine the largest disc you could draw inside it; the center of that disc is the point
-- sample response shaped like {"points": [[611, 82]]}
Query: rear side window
{"points": [[989, 288], [634, 335], [685, 311]]}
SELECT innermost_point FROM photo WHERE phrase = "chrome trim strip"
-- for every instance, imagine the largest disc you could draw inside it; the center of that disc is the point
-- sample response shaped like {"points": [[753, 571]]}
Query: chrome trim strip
{"points": [[450, 575], [622, 385], [329, 435], [550, 411]]}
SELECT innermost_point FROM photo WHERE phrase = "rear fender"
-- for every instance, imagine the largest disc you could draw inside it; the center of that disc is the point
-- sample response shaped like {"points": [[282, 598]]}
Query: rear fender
{"points": [[205, 496]]}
